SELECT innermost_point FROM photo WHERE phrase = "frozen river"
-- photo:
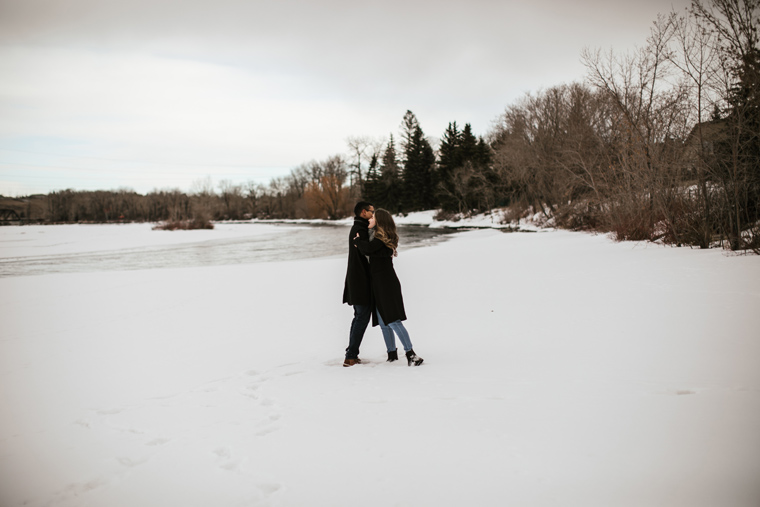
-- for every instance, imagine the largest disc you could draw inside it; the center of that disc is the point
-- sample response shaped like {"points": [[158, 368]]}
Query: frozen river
{"points": [[33, 250]]}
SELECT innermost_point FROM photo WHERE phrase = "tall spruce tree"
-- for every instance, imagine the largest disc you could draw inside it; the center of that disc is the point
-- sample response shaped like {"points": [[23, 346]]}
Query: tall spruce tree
{"points": [[419, 181], [449, 159], [449, 154], [483, 156], [408, 126], [468, 145], [390, 174], [448, 151], [373, 185]]}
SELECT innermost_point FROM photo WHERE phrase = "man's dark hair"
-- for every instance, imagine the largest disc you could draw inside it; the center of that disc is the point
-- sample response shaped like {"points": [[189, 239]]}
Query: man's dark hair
{"points": [[362, 205]]}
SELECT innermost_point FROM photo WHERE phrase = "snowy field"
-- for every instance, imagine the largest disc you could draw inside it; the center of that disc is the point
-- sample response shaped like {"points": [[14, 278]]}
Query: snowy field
{"points": [[561, 369]]}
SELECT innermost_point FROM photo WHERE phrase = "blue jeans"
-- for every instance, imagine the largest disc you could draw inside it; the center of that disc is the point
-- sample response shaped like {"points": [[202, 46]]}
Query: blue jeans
{"points": [[399, 329], [362, 314]]}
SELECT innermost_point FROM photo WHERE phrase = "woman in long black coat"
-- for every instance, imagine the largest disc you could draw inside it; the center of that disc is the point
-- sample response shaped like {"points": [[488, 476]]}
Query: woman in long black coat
{"points": [[386, 288]]}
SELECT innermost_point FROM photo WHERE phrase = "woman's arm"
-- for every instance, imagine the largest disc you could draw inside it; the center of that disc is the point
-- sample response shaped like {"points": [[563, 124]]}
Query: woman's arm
{"points": [[374, 247]]}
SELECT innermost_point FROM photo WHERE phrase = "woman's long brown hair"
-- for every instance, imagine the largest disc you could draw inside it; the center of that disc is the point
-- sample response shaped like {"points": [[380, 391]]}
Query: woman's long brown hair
{"points": [[385, 229]]}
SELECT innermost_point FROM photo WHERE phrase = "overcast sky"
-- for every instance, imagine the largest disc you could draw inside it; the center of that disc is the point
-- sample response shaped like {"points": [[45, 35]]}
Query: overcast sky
{"points": [[145, 94]]}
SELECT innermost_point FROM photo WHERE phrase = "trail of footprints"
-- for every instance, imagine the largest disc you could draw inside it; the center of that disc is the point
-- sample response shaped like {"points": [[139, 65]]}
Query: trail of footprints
{"points": [[252, 390], [245, 387]]}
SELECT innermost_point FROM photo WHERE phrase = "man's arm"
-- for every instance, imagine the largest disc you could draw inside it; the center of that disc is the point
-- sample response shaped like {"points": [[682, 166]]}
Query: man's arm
{"points": [[369, 247]]}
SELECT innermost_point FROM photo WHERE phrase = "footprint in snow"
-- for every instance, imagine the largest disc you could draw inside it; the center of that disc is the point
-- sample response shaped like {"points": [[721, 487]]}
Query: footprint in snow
{"points": [[255, 389], [269, 488], [266, 431], [224, 459], [250, 391], [77, 490], [158, 441], [130, 463]]}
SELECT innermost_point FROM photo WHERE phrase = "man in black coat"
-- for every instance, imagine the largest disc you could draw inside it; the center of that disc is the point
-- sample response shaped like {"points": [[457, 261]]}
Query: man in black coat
{"points": [[357, 291]]}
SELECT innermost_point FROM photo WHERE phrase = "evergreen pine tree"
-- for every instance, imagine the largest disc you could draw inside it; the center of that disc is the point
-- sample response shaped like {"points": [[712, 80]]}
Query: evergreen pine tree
{"points": [[373, 184], [449, 159], [468, 145], [418, 173], [390, 175], [466, 180], [408, 125], [483, 153], [448, 151]]}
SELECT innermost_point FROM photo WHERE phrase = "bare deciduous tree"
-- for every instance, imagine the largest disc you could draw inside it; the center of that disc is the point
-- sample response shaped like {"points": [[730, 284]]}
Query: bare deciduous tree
{"points": [[326, 195]]}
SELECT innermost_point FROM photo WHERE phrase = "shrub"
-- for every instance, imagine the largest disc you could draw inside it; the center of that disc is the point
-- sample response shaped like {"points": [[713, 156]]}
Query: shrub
{"points": [[631, 222], [449, 216], [582, 216], [185, 225]]}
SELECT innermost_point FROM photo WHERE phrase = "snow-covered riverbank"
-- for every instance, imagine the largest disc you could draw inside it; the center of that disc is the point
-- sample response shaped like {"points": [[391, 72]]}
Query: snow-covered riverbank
{"points": [[560, 369], [492, 220]]}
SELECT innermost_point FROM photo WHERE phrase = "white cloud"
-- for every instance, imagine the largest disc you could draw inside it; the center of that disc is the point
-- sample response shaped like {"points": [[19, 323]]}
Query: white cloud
{"points": [[274, 84]]}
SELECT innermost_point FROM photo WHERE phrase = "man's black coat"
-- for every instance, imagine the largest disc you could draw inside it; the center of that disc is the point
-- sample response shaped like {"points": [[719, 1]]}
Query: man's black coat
{"points": [[357, 289]]}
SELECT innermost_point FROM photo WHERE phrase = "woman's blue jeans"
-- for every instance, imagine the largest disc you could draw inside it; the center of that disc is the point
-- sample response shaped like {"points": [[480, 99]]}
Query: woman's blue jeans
{"points": [[399, 329]]}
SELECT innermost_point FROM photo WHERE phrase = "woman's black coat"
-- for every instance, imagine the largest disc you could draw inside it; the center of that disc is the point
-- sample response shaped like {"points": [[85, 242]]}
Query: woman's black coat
{"points": [[386, 287], [356, 290]]}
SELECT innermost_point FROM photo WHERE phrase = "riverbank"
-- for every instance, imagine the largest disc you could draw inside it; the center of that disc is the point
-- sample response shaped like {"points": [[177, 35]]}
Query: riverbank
{"points": [[496, 219]]}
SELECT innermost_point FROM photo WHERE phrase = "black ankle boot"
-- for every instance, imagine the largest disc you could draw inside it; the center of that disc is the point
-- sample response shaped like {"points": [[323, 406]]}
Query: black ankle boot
{"points": [[413, 359], [392, 356]]}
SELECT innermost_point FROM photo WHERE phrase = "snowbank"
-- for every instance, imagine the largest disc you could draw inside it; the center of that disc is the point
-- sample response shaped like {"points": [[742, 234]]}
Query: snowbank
{"points": [[560, 369], [491, 220]]}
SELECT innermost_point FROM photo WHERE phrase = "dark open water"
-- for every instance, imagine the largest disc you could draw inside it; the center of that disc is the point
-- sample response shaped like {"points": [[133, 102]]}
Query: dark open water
{"points": [[302, 243]]}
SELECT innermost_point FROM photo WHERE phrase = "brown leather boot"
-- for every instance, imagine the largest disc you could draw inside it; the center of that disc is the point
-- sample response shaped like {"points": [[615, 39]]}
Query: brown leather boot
{"points": [[350, 362]]}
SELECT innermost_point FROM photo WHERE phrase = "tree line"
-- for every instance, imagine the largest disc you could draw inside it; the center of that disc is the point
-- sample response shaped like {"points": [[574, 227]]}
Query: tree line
{"points": [[662, 142]]}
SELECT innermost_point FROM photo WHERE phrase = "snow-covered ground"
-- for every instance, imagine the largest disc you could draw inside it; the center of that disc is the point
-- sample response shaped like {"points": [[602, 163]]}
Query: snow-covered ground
{"points": [[494, 220], [561, 369]]}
